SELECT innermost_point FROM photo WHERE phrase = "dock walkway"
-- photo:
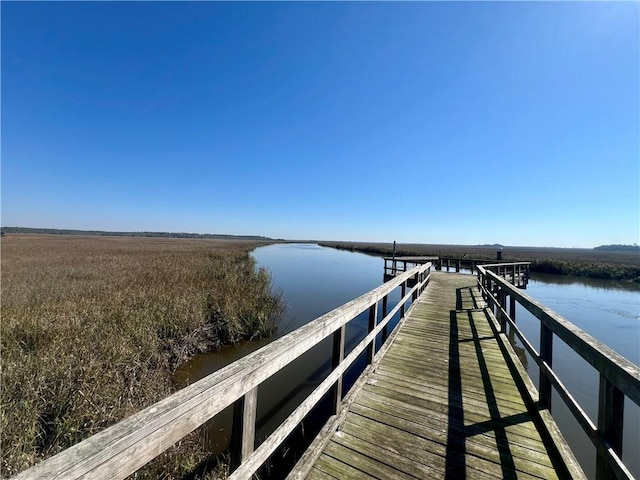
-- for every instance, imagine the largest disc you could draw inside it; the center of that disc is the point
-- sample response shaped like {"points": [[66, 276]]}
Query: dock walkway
{"points": [[441, 403]]}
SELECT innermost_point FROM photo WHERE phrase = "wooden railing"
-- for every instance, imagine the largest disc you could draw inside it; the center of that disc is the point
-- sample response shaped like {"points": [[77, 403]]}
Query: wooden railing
{"points": [[516, 273], [125, 447], [395, 265], [619, 378], [501, 268]]}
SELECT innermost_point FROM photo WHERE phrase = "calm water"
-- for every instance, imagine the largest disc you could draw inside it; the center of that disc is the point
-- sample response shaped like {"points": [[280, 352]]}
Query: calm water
{"points": [[314, 280]]}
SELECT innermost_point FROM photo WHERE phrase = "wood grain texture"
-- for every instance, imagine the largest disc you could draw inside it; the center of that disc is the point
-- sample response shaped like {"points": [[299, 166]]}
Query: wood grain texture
{"points": [[442, 401]]}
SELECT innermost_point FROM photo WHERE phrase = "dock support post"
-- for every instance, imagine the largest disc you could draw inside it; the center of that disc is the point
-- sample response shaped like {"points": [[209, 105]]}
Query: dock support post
{"points": [[610, 422], [458, 266], [243, 432], [336, 359], [546, 355]]}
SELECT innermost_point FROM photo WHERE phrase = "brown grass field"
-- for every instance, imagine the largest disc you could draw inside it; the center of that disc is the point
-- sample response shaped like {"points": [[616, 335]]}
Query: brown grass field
{"points": [[93, 328], [611, 265]]}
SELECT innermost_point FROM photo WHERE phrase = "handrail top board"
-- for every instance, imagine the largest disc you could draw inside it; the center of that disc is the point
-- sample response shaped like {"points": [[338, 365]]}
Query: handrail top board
{"points": [[413, 258], [503, 264]]}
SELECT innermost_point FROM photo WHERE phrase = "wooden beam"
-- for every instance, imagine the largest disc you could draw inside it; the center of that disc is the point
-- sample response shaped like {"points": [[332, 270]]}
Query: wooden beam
{"points": [[373, 317], [610, 423], [336, 360], [243, 432]]}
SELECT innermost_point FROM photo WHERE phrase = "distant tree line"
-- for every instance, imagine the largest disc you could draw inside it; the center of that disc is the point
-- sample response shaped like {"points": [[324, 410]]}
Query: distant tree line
{"points": [[619, 248], [58, 231]]}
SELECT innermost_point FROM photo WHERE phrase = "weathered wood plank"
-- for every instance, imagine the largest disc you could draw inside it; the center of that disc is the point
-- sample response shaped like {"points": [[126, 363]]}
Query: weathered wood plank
{"points": [[334, 467], [401, 437], [439, 422], [317, 474], [444, 400], [371, 467], [373, 448], [440, 394], [439, 387]]}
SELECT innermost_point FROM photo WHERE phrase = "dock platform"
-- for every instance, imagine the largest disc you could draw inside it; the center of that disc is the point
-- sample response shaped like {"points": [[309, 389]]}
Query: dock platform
{"points": [[443, 395], [442, 402]]}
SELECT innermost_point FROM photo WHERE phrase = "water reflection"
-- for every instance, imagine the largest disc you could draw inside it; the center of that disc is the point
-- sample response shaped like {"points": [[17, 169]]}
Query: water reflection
{"points": [[313, 281], [594, 283]]}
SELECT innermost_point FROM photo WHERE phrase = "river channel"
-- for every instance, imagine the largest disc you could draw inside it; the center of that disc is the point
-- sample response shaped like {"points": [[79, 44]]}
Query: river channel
{"points": [[314, 280]]}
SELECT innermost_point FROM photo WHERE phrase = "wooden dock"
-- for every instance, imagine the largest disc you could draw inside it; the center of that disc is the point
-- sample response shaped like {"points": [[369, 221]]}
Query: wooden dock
{"points": [[443, 396], [442, 403]]}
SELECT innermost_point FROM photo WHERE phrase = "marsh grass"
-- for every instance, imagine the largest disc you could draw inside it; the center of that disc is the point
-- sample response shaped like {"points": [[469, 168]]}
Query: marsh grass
{"points": [[93, 328]]}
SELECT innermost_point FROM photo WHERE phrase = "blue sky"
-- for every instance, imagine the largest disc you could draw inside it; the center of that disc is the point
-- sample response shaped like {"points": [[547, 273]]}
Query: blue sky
{"points": [[467, 123]]}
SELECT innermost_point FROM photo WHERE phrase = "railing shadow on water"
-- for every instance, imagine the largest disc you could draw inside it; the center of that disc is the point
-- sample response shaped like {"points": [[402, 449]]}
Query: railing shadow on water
{"points": [[122, 449]]}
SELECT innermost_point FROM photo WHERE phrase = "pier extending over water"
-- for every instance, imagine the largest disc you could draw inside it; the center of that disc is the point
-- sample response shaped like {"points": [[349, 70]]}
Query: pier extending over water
{"points": [[443, 396], [445, 401]]}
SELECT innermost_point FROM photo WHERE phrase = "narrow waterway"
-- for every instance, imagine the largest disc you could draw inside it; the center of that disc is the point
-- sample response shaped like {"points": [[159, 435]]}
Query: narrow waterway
{"points": [[314, 280]]}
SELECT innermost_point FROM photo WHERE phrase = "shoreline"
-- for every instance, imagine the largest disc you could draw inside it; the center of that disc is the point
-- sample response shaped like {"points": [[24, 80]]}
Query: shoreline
{"points": [[581, 263]]}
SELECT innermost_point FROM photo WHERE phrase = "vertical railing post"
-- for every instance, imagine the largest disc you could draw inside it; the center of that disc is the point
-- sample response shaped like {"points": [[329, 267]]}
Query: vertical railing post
{"points": [[403, 291], [243, 432], [373, 317], [336, 360], [485, 286], [425, 277], [385, 331], [492, 304], [502, 300], [610, 422], [546, 355], [512, 307]]}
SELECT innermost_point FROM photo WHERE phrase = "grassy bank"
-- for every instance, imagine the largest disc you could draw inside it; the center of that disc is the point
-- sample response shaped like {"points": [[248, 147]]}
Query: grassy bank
{"points": [[582, 262], [93, 328]]}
